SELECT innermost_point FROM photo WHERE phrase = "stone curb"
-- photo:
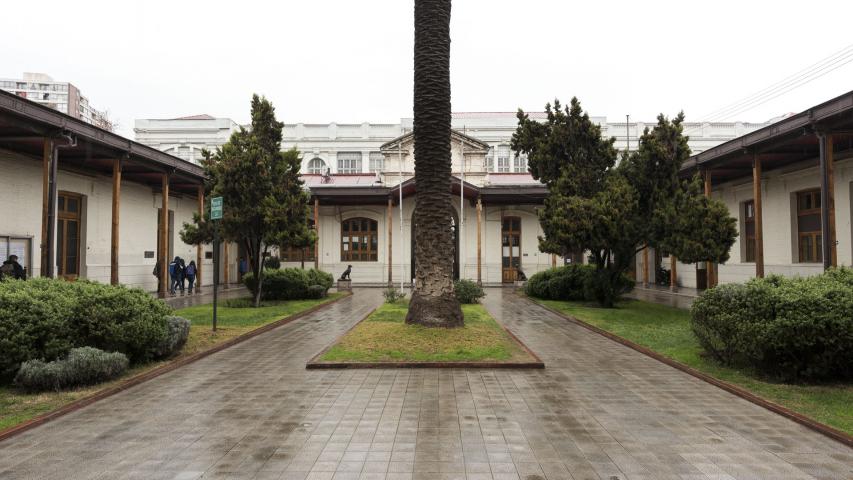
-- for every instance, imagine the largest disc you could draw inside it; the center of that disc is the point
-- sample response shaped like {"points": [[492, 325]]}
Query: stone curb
{"points": [[154, 373], [807, 422], [316, 364]]}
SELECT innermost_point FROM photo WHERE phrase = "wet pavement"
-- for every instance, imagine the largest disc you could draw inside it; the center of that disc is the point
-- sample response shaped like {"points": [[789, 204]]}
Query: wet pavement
{"points": [[598, 411], [183, 301], [682, 298]]}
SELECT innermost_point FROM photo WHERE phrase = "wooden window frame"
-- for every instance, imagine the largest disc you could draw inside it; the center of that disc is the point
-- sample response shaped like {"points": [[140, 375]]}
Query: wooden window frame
{"points": [[63, 216], [749, 253], [371, 234], [814, 253]]}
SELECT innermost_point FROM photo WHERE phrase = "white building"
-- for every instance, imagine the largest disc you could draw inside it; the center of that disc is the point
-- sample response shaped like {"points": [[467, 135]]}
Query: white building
{"points": [[185, 137], [60, 96]]}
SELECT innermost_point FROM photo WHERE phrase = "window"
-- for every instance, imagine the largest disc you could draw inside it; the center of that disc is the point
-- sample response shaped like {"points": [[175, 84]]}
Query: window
{"points": [[317, 166], [749, 231], [490, 160], [349, 162], [377, 162], [359, 240], [503, 158], [809, 226], [519, 163], [68, 235]]}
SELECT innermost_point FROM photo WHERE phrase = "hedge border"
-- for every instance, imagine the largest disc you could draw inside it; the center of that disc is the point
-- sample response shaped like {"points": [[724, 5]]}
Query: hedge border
{"points": [[315, 364], [156, 372], [803, 420]]}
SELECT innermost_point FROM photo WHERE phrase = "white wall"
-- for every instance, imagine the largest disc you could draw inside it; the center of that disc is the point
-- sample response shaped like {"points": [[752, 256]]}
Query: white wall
{"points": [[21, 194]]}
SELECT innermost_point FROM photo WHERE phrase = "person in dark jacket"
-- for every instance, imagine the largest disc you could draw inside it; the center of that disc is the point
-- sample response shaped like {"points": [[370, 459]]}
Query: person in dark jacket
{"points": [[12, 269], [190, 273], [175, 275]]}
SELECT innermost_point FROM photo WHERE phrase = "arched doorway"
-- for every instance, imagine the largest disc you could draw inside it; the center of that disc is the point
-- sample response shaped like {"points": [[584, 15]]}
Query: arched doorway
{"points": [[455, 232], [510, 248]]}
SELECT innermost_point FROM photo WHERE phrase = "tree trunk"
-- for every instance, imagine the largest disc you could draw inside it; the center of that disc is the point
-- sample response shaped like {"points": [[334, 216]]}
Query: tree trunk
{"points": [[433, 302]]}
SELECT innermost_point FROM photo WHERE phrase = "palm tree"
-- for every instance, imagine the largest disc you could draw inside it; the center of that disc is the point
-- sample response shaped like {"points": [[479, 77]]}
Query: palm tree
{"points": [[433, 302]]}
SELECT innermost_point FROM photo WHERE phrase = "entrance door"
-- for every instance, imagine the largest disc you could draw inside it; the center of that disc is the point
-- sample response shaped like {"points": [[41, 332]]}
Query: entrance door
{"points": [[510, 248], [68, 235]]}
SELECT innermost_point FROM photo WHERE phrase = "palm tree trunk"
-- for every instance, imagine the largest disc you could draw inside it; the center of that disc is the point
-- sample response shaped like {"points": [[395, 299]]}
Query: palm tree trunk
{"points": [[433, 302]]}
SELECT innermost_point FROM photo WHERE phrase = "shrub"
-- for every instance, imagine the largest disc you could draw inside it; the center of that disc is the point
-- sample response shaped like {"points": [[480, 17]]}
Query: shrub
{"points": [[316, 291], [467, 291], [570, 282], [82, 366], [45, 318], [272, 263], [800, 328], [119, 319], [34, 322], [392, 295], [177, 332], [288, 283]]}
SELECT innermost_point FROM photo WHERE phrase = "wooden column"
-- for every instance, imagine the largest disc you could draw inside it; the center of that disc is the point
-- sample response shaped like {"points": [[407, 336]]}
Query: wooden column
{"points": [[114, 237], [317, 233], [225, 264], [646, 266], [479, 241], [759, 229], [553, 260], [710, 265], [45, 202], [164, 238], [390, 244], [827, 207], [673, 274], [199, 249], [830, 160]]}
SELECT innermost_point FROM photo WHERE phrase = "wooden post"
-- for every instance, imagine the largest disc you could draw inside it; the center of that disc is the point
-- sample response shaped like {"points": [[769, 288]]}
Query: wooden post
{"points": [[317, 233], [479, 241], [199, 249], [164, 237], [646, 266], [553, 260], [225, 264], [673, 274], [390, 244], [114, 237], [833, 245], [46, 160], [827, 207], [759, 230], [710, 265]]}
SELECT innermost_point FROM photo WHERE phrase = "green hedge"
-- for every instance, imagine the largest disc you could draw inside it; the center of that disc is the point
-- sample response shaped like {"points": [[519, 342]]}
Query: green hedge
{"points": [[45, 318], [569, 282], [290, 284], [467, 291], [82, 366], [792, 328]]}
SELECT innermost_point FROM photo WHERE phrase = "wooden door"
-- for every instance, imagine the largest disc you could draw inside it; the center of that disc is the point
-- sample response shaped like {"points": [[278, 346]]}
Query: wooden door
{"points": [[510, 248], [68, 235]]}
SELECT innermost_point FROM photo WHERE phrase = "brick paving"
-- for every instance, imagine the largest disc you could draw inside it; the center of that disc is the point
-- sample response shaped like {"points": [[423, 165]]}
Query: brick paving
{"points": [[598, 411]]}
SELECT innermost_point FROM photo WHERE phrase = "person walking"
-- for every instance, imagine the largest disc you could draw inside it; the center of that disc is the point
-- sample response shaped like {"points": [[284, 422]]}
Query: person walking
{"points": [[190, 273], [242, 268], [174, 274], [182, 274]]}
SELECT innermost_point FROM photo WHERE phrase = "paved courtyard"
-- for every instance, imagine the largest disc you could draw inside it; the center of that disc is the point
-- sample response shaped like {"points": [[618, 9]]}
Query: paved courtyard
{"points": [[598, 411]]}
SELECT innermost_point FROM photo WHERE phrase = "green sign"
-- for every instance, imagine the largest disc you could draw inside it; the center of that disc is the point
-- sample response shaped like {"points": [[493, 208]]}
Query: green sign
{"points": [[216, 208]]}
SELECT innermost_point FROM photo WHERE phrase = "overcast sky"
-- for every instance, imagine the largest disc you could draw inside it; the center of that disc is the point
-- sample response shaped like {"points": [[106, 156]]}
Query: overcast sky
{"points": [[351, 61]]}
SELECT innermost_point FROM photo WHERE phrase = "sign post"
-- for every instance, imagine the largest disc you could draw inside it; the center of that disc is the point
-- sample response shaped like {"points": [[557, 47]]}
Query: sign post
{"points": [[215, 215]]}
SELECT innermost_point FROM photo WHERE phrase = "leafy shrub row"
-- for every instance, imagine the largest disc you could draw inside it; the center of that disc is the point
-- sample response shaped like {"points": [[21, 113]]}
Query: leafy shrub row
{"points": [[45, 318], [467, 291], [82, 366], [291, 284], [578, 282], [792, 328]]}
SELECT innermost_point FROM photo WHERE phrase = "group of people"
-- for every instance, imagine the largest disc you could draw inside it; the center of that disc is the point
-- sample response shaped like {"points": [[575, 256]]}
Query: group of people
{"points": [[181, 275]]}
